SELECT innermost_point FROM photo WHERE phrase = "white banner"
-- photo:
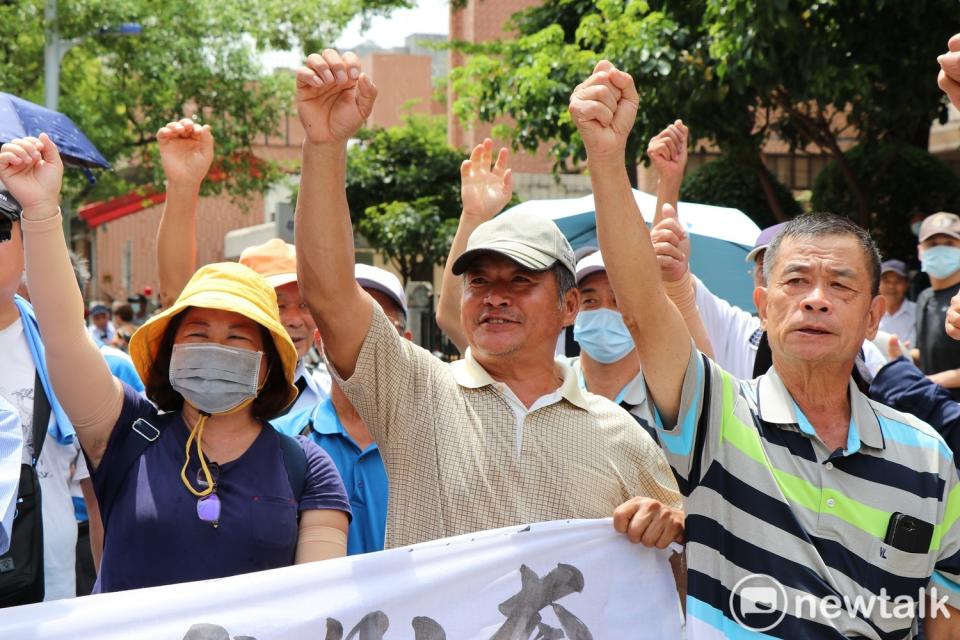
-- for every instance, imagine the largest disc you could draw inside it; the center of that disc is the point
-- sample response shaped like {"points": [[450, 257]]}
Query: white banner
{"points": [[576, 579]]}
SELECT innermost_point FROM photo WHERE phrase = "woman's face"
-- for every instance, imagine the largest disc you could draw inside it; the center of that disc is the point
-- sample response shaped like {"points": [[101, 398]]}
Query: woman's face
{"points": [[224, 328]]}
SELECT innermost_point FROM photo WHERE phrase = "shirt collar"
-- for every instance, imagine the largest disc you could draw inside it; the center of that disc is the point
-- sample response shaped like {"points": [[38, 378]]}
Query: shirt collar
{"points": [[776, 406], [324, 419], [469, 373], [633, 394]]}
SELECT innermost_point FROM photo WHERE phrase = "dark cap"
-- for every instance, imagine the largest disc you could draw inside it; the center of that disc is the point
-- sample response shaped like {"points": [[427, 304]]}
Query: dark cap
{"points": [[893, 266], [10, 206], [941, 223], [764, 239]]}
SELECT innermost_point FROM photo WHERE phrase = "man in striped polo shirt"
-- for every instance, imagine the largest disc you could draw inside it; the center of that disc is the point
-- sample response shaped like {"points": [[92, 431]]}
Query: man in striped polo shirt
{"points": [[812, 512]]}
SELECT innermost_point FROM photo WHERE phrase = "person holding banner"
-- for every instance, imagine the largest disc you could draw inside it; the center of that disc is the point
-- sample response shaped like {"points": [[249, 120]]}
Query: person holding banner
{"points": [[504, 436], [206, 489], [800, 491]]}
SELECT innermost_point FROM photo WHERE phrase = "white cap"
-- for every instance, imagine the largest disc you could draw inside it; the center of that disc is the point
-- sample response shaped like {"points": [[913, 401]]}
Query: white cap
{"points": [[589, 265], [370, 277]]}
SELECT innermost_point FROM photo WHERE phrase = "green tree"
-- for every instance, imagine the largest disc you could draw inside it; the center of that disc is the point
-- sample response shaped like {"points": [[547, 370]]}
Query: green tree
{"points": [[736, 71], [826, 71], [902, 181], [723, 182], [199, 55], [415, 235], [403, 186]]}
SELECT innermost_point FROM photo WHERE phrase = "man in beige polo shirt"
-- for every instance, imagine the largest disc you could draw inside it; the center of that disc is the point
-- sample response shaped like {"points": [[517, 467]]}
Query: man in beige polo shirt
{"points": [[504, 436]]}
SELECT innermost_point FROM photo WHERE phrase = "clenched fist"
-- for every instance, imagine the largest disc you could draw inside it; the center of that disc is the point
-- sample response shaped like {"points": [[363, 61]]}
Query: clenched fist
{"points": [[32, 171], [334, 98], [604, 108]]}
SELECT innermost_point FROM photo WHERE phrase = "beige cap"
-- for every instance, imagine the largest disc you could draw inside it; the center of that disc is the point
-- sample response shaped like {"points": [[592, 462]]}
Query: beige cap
{"points": [[944, 223], [529, 239]]}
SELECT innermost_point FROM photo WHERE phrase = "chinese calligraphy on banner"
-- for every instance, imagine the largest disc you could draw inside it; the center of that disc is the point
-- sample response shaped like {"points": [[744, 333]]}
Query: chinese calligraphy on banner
{"points": [[575, 580]]}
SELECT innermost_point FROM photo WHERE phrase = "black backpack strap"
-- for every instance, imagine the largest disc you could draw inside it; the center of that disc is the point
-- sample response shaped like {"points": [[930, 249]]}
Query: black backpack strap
{"points": [[41, 416], [295, 462], [143, 433]]}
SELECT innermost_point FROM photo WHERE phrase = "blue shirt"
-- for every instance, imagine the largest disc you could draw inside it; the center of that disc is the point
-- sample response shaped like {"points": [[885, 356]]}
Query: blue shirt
{"points": [[363, 473], [121, 366], [153, 534]]}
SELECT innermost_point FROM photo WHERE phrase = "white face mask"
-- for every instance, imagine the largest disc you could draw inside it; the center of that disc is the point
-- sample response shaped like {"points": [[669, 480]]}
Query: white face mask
{"points": [[215, 378]]}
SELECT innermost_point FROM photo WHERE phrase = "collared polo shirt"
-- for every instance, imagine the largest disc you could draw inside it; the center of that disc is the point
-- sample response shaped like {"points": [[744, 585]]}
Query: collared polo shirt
{"points": [[764, 495], [449, 438], [362, 470], [315, 388], [633, 397]]}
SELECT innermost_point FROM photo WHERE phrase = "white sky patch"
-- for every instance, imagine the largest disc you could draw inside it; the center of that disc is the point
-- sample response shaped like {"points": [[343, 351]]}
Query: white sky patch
{"points": [[429, 16]]}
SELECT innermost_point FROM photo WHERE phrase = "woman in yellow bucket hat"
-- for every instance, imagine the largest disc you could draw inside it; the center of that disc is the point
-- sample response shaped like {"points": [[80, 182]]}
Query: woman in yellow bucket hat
{"points": [[196, 485]]}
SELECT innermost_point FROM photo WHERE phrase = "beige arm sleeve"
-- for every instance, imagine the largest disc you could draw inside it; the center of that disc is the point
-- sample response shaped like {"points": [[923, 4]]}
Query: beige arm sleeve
{"points": [[323, 535], [90, 395]]}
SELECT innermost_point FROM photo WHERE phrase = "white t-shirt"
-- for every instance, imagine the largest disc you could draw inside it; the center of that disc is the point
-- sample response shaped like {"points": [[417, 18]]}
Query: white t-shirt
{"points": [[53, 468]]}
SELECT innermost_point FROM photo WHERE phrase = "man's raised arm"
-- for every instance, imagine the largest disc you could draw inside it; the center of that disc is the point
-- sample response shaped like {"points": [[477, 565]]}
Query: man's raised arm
{"points": [[604, 108], [484, 190], [333, 100], [186, 152]]}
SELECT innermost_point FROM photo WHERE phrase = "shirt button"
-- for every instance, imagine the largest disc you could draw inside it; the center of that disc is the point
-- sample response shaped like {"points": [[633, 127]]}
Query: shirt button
{"points": [[831, 502], [829, 466]]}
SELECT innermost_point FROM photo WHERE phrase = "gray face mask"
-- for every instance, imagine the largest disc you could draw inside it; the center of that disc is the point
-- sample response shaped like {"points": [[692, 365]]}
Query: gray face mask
{"points": [[214, 378]]}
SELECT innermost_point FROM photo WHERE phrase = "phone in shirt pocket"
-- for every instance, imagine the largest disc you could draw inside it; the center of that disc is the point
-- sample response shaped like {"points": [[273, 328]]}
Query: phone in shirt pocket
{"points": [[907, 533]]}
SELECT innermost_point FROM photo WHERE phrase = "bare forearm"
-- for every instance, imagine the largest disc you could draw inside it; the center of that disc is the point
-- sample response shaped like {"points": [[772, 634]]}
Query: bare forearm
{"points": [[325, 255], [683, 294], [96, 523], [451, 289], [668, 192], [943, 627], [81, 378], [949, 378], [177, 240], [658, 330]]}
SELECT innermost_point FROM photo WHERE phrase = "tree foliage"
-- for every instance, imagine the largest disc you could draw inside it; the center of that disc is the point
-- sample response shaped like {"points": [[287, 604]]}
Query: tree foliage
{"points": [[403, 186], [902, 181], [737, 71], [723, 182], [200, 56]]}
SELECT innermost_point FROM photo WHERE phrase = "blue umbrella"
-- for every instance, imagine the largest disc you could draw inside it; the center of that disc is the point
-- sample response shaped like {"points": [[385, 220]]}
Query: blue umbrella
{"points": [[20, 118], [720, 239]]}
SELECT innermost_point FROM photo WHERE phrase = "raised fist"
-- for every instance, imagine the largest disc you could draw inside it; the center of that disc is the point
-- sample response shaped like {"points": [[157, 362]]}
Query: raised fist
{"points": [[186, 150], [32, 171], [953, 318], [604, 108], [949, 77], [671, 244], [668, 151], [484, 189], [334, 98]]}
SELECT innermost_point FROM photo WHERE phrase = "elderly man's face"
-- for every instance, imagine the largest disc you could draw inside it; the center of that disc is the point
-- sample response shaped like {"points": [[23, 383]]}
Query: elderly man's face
{"points": [[893, 287], [596, 293], [817, 306], [507, 309]]}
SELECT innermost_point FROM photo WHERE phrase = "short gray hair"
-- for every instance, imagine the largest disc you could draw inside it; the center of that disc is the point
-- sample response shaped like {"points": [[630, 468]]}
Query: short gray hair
{"points": [[565, 281], [817, 225]]}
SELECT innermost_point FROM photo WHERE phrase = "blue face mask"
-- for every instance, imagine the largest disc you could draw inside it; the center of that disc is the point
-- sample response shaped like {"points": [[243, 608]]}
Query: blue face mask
{"points": [[603, 335], [941, 261]]}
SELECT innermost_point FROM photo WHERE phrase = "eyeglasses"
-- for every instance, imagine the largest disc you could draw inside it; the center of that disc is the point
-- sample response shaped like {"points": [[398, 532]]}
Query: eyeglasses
{"points": [[208, 507]]}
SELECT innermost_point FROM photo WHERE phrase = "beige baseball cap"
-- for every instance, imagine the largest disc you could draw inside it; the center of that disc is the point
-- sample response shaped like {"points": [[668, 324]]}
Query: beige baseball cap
{"points": [[944, 223], [529, 239]]}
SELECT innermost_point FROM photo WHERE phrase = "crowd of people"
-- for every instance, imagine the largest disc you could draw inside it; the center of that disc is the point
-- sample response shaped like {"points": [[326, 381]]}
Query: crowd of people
{"points": [[809, 441]]}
